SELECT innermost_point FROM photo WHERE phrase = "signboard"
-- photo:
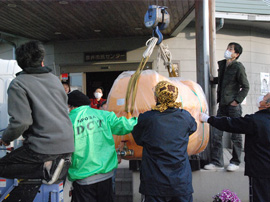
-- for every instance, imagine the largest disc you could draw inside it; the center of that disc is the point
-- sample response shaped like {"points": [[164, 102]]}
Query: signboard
{"points": [[264, 83], [105, 56]]}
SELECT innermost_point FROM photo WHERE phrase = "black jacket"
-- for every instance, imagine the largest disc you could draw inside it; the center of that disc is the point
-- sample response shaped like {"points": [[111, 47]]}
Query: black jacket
{"points": [[165, 168], [256, 127], [232, 82]]}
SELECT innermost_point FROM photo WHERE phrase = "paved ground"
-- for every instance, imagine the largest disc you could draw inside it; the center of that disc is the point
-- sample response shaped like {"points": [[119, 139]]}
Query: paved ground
{"points": [[207, 183]]}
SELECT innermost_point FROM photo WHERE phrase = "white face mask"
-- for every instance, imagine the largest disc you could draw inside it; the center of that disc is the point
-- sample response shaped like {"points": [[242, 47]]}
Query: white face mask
{"points": [[98, 95], [259, 100], [227, 55]]}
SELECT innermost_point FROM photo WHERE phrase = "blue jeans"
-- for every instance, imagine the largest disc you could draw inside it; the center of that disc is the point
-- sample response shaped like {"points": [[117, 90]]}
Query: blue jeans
{"points": [[217, 148]]}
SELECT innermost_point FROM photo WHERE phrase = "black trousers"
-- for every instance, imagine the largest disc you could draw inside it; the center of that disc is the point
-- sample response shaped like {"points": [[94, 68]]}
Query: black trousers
{"points": [[186, 198], [259, 189], [217, 148], [24, 163], [98, 192]]}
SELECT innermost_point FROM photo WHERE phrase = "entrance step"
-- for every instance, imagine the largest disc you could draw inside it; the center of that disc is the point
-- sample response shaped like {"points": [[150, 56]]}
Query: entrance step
{"points": [[123, 183]]}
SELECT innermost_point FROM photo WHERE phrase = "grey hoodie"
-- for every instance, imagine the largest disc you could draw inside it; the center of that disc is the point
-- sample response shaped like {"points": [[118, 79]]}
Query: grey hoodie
{"points": [[37, 105]]}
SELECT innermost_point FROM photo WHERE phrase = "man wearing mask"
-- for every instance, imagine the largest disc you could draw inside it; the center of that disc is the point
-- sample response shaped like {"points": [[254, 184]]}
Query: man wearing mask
{"points": [[257, 154], [98, 100], [233, 87]]}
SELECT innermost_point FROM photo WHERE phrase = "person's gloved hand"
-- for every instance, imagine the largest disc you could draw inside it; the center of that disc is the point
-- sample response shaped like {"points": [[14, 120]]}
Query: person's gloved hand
{"points": [[204, 117]]}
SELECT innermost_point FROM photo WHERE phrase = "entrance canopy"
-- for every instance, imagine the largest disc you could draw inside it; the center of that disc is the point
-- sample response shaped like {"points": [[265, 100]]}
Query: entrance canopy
{"points": [[56, 20]]}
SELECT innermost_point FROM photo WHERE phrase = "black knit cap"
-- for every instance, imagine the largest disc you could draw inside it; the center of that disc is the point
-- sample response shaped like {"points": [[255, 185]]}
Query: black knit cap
{"points": [[76, 99]]}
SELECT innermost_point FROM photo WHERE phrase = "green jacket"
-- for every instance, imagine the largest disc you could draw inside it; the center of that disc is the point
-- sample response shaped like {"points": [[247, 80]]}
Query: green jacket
{"points": [[94, 145], [232, 82]]}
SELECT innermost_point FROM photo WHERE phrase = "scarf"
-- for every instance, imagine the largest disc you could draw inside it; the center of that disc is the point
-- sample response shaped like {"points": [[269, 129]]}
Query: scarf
{"points": [[166, 94]]}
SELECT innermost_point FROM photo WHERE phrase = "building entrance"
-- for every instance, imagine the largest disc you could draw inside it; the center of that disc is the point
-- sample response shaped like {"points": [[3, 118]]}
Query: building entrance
{"points": [[100, 79]]}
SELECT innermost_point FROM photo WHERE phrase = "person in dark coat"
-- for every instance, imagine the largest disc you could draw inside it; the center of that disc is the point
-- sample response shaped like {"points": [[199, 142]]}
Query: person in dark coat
{"points": [[233, 87], [256, 127], [164, 132]]}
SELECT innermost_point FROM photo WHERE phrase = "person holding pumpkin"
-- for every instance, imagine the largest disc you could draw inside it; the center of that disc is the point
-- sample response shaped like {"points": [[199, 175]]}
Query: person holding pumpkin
{"points": [[164, 133]]}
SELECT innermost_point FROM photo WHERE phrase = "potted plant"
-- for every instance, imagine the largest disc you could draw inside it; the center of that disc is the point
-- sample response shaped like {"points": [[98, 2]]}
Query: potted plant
{"points": [[226, 196]]}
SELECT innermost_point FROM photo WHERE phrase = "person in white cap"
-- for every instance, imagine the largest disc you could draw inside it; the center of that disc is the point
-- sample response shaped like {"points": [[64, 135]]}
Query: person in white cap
{"points": [[256, 127], [94, 160]]}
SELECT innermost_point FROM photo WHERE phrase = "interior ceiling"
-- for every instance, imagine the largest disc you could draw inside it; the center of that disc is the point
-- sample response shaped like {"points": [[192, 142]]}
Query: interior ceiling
{"points": [[54, 20]]}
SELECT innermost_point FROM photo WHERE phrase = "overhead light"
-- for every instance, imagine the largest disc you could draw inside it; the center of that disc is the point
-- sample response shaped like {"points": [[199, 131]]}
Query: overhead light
{"points": [[138, 28], [57, 33], [63, 2], [97, 30], [12, 5]]}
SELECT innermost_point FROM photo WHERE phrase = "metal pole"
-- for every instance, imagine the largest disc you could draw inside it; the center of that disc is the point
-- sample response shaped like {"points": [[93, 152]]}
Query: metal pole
{"points": [[202, 57], [206, 48], [202, 45], [213, 64]]}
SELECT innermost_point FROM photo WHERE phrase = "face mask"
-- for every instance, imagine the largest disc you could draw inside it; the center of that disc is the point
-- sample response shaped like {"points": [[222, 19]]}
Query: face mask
{"points": [[227, 55], [259, 100], [98, 95]]}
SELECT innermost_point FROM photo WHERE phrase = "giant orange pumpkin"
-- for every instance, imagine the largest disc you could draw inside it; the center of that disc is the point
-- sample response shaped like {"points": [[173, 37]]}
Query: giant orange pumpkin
{"points": [[190, 95]]}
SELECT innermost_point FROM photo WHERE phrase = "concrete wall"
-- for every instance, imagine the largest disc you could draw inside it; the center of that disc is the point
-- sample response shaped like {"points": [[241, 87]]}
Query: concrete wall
{"points": [[6, 51], [49, 59]]}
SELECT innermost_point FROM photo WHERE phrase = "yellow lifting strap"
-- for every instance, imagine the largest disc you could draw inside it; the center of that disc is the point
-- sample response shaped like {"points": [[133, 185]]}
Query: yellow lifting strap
{"points": [[133, 82]]}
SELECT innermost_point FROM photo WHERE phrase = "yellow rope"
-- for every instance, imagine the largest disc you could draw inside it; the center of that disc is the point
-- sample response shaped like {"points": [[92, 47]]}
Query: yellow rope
{"points": [[129, 88], [171, 73], [133, 86]]}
